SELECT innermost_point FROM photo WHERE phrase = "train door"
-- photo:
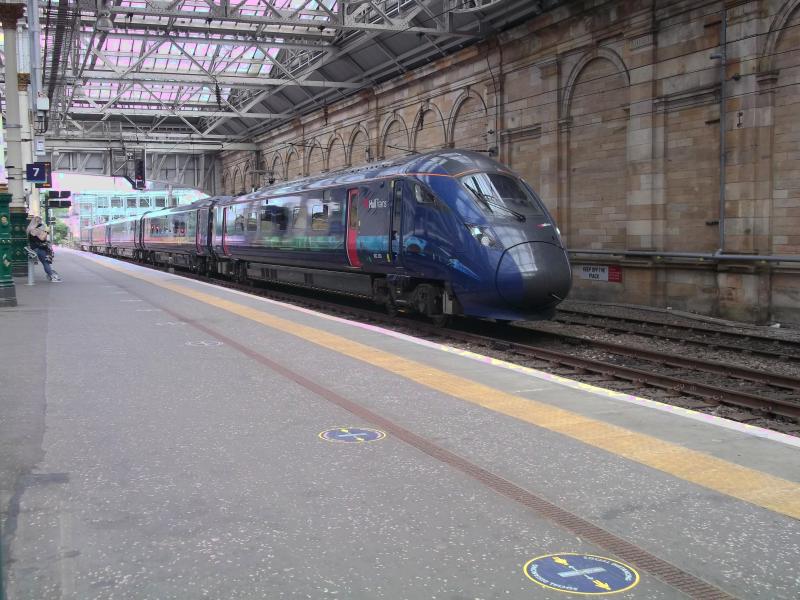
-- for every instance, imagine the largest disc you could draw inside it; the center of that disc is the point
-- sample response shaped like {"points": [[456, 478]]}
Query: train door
{"points": [[139, 238], [225, 215], [352, 227], [396, 228], [198, 232]]}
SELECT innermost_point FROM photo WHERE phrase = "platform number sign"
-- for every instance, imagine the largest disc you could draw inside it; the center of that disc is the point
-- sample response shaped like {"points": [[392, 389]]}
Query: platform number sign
{"points": [[47, 181], [38, 172]]}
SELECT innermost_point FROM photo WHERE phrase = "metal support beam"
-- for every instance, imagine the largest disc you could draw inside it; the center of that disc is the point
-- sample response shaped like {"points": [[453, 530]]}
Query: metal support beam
{"points": [[234, 38], [179, 145], [155, 29], [162, 112], [367, 17], [222, 80]]}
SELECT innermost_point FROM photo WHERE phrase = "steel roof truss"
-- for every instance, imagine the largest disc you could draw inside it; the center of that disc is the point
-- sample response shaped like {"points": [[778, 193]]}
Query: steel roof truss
{"points": [[368, 16], [201, 79]]}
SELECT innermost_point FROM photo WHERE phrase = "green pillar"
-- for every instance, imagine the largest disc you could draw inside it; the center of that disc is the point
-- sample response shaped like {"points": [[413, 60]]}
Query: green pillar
{"points": [[8, 294], [19, 239]]}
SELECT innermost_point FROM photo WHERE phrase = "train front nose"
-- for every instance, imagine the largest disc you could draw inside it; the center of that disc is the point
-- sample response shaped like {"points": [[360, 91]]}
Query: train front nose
{"points": [[533, 275]]}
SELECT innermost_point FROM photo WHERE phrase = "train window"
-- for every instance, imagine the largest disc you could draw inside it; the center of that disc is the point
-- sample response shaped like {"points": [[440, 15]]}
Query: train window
{"points": [[234, 223], [298, 218], [333, 209], [422, 196], [335, 213], [252, 219], [502, 195], [319, 217], [282, 218], [354, 214], [266, 212], [238, 221], [397, 209], [161, 202]]}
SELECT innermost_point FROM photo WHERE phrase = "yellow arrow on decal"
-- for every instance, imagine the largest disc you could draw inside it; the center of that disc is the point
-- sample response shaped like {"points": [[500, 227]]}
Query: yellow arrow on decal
{"points": [[560, 561], [601, 584]]}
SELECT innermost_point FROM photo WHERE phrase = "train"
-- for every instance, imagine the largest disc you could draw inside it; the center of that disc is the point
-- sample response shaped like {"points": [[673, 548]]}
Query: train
{"points": [[442, 234]]}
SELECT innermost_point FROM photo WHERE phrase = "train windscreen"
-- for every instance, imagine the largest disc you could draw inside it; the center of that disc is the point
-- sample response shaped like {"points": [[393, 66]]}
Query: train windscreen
{"points": [[503, 195]]}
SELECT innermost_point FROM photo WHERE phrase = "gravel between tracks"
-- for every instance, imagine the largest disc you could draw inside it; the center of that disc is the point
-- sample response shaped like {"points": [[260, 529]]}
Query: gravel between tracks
{"points": [[733, 357], [786, 331]]}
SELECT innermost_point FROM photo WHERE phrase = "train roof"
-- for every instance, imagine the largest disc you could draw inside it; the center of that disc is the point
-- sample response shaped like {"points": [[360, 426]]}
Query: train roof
{"points": [[202, 203], [439, 162]]}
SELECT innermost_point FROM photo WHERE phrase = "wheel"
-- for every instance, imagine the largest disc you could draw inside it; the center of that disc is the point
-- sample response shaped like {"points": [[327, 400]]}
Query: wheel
{"points": [[440, 320], [391, 309], [428, 302]]}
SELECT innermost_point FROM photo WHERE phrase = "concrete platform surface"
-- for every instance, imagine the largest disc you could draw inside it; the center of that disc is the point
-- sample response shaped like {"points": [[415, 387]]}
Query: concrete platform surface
{"points": [[162, 438]]}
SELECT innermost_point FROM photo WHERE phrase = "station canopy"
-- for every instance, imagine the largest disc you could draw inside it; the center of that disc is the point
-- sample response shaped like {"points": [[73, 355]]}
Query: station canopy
{"points": [[230, 70]]}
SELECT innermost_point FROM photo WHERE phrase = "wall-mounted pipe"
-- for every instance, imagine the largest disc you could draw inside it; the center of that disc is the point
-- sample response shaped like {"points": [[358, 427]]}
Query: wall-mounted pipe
{"points": [[723, 159], [35, 50], [716, 256]]}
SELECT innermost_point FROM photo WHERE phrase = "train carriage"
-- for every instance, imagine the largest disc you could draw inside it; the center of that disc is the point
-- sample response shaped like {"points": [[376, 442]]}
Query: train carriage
{"points": [[178, 235], [444, 233]]}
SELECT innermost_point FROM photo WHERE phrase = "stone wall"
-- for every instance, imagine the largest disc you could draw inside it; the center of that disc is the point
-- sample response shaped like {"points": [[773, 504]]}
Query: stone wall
{"points": [[611, 110]]}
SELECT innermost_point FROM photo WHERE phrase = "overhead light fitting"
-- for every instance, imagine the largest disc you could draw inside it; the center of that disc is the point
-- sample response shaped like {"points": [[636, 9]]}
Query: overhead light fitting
{"points": [[104, 21]]}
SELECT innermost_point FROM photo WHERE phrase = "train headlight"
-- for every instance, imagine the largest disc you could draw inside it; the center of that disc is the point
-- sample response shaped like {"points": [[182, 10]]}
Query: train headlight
{"points": [[482, 234]]}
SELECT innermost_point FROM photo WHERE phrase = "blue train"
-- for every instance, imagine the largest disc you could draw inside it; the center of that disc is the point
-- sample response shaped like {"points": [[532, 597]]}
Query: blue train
{"points": [[444, 233]]}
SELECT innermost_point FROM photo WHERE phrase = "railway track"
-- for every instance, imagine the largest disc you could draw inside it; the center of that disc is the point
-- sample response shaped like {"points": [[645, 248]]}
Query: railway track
{"points": [[764, 392], [696, 334], [771, 393]]}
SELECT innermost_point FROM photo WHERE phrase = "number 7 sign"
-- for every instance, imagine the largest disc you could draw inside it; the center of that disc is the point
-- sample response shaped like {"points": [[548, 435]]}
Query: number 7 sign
{"points": [[38, 172]]}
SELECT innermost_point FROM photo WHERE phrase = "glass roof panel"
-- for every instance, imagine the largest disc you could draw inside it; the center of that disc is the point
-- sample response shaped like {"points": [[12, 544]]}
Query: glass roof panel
{"points": [[138, 44]]}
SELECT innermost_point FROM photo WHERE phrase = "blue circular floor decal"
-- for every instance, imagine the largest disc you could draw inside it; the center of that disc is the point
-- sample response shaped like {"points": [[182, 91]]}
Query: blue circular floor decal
{"points": [[581, 574], [352, 435]]}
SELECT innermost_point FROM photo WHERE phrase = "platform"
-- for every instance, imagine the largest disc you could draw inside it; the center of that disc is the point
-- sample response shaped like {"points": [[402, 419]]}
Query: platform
{"points": [[164, 438]]}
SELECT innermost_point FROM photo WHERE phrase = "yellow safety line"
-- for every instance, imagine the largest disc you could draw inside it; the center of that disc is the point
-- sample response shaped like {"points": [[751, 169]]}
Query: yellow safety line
{"points": [[770, 492]]}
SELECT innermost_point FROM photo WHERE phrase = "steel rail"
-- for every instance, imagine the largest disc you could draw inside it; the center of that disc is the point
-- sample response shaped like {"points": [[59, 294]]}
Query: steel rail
{"points": [[715, 343], [700, 326], [785, 408], [676, 360]]}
